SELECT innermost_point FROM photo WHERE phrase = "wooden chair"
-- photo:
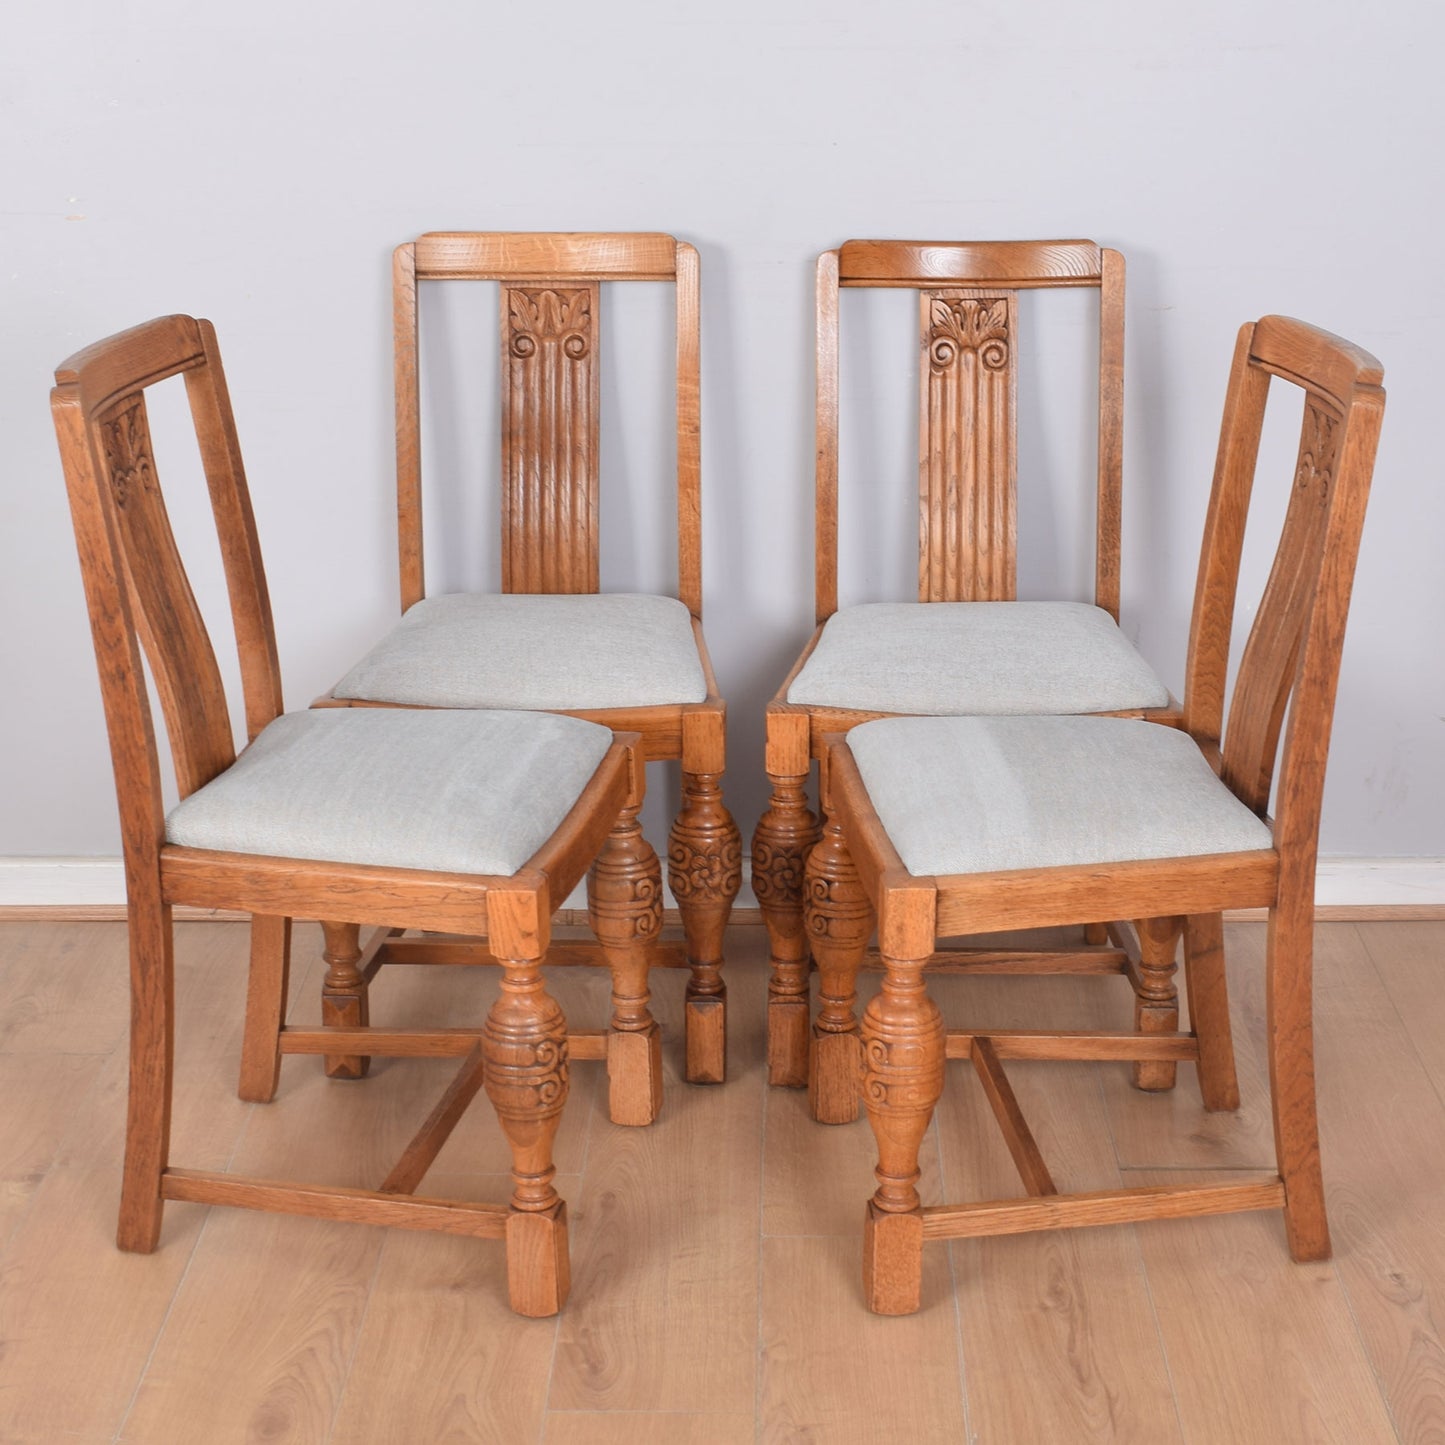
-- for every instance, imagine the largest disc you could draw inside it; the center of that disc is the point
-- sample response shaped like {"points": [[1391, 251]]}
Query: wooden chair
{"points": [[966, 646], [954, 824], [551, 642], [333, 815]]}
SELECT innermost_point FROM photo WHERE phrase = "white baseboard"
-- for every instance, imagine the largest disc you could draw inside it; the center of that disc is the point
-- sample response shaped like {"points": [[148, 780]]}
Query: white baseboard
{"points": [[60, 883]]}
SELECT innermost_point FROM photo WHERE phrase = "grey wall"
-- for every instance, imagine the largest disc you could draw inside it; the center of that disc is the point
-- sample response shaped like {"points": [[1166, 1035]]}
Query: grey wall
{"points": [[256, 163]]}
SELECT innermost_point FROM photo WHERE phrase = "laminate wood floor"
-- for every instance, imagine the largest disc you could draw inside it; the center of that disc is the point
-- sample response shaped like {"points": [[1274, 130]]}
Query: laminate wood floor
{"points": [[715, 1256]]}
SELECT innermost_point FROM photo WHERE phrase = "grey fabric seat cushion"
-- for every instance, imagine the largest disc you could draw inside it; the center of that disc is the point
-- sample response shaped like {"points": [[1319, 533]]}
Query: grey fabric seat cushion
{"points": [[977, 658], [472, 649], [455, 792], [980, 795]]}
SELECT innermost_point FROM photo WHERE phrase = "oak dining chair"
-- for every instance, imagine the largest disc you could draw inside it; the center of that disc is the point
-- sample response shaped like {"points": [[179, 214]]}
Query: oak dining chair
{"points": [[550, 640], [449, 820], [967, 646], [979, 823]]}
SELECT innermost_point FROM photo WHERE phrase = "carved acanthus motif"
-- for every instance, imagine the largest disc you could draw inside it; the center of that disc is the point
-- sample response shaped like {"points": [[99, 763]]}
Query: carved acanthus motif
{"points": [[125, 441], [550, 315], [704, 849], [1319, 446], [962, 323]]}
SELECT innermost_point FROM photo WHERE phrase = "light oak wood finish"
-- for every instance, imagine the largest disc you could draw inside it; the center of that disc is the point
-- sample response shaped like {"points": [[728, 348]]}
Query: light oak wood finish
{"points": [[550, 314], [277, 1327], [968, 381], [139, 598], [1290, 662]]}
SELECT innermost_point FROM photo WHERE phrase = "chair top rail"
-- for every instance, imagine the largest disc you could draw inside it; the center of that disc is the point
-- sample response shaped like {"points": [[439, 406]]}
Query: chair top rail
{"points": [[132, 360], [510, 255], [1012, 264], [1324, 364]]}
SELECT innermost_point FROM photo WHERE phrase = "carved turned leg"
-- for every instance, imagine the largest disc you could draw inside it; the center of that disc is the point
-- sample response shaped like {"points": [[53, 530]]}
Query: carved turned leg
{"points": [[343, 995], [624, 903], [1096, 933], [152, 1056], [524, 1055], [839, 921], [784, 835], [1208, 990], [266, 991], [903, 1054], [1156, 1000], [1289, 978], [705, 860]]}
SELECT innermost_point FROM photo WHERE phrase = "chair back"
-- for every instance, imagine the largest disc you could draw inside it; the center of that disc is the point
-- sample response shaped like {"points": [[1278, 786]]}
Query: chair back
{"points": [[967, 440], [1291, 659], [550, 313], [136, 586]]}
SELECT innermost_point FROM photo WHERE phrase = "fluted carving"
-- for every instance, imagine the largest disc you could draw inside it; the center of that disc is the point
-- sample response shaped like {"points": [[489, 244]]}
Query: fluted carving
{"points": [[549, 438], [524, 1053], [966, 477]]}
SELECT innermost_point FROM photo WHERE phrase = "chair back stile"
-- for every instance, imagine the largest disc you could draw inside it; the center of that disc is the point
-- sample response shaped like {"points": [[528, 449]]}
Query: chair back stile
{"points": [[549, 326], [968, 378], [1291, 658], [137, 590]]}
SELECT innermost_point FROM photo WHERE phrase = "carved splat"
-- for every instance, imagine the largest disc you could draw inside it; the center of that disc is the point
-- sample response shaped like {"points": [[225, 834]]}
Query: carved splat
{"points": [[1266, 670], [967, 526], [549, 437], [183, 665]]}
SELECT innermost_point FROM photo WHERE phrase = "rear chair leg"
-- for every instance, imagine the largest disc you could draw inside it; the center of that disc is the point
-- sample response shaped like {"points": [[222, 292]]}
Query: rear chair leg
{"points": [[784, 835], [344, 995], [265, 1008], [1208, 991], [152, 1060], [1289, 974], [839, 923], [705, 859], [624, 904], [524, 1055], [1156, 1000], [903, 1056]]}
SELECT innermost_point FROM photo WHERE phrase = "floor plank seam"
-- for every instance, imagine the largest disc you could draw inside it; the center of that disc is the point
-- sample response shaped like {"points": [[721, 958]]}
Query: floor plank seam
{"points": [[1138, 1244], [1340, 1279], [360, 1334], [958, 1350]]}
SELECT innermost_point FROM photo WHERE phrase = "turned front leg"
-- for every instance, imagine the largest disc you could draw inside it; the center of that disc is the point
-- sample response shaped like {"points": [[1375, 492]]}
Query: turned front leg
{"points": [[1156, 999], [705, 860], [524, 1056], [344, 995], [903, 1056], [839, 921], [785, 834], [624, 904]]}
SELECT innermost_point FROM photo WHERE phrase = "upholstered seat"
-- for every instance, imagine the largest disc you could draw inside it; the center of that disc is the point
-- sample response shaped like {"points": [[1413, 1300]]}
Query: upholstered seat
{"points": [[982, 795], [525, 650], [453, 792], [979, 658]]}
